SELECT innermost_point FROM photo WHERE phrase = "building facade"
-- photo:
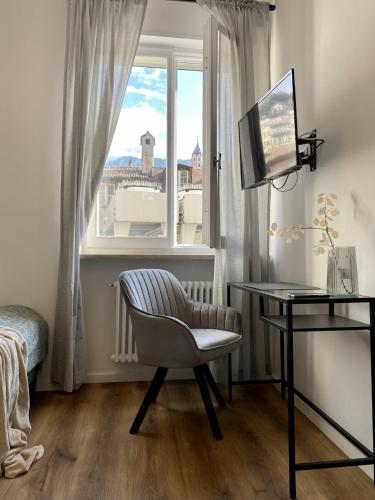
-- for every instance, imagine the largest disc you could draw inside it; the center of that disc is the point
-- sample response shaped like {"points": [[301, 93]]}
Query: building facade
{"points": [[132, 200]]}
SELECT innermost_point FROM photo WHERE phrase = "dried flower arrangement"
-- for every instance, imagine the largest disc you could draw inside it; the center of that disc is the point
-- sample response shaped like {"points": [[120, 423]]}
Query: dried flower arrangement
{"points": [[326, 213], [325, 217]]}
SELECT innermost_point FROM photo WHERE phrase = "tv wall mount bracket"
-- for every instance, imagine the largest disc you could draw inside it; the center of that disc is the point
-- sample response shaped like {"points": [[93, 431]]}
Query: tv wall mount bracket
{"points": [[313, 142]]}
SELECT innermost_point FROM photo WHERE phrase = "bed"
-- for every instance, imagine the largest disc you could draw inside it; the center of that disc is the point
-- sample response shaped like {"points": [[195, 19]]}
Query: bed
{"points": [[35, 331]]}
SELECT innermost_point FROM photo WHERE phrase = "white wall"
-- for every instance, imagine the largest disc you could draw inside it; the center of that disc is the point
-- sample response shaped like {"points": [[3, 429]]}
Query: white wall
{"points": [[175, 19], [331, 45], [32, 37]]}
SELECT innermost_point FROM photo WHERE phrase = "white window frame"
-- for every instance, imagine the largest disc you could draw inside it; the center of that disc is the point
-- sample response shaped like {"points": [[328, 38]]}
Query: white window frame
{"points": [[176, 58]]}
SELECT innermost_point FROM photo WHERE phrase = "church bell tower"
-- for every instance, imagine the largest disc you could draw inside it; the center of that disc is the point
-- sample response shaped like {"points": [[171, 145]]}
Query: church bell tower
{"points": [[147, 143]]}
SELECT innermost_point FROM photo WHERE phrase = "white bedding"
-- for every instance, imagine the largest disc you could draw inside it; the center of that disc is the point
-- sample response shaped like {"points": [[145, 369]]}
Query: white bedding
{"points": [[15, 457]]}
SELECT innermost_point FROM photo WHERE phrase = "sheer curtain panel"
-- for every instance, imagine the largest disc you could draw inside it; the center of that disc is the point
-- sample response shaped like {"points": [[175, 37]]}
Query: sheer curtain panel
{"points": [[102, 39], [243, 76]]}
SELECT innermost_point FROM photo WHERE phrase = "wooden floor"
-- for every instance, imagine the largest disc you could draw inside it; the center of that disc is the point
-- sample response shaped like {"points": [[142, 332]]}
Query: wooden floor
{"points": [[90, 454]]}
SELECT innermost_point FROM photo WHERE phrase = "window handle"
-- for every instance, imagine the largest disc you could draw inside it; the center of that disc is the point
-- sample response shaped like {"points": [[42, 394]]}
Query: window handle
{"points": [[217, 161]]}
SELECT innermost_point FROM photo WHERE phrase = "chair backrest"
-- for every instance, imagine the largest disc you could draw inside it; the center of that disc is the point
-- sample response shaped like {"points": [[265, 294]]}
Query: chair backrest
{"points": [[155, 291]]}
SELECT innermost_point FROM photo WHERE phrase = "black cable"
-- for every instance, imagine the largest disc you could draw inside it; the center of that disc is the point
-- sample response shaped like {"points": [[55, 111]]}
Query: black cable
{"points": [[280, 188]]}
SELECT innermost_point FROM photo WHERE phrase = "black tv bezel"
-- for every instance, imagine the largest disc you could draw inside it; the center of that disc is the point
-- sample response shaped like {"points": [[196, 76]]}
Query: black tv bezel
{"points": [[268, 178]]}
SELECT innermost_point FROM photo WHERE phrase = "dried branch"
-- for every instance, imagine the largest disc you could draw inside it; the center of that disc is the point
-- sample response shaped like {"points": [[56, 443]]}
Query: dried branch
{"points": [[326, 213]]}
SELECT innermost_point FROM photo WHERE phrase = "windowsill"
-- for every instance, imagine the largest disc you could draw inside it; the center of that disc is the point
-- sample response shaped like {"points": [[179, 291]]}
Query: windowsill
{"points": [[192, 252]]}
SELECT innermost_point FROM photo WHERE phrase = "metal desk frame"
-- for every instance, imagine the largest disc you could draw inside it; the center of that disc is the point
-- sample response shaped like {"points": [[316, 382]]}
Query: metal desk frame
{"points": [[290, 324]]}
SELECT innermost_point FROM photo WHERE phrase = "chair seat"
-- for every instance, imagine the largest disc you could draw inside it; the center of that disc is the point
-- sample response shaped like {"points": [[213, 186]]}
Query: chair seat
{"points": [[210, 338]]}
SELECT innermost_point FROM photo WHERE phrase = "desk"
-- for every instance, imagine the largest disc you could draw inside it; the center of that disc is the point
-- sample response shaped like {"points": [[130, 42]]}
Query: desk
{"points": [[290, 324]]}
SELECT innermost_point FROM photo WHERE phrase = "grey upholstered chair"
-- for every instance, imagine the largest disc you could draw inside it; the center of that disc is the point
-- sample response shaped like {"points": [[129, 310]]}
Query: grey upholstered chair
{"points": [[173, 331]]}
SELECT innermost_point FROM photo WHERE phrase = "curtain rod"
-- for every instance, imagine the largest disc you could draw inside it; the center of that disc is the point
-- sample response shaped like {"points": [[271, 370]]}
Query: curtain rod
{"points": [[271, 6]]}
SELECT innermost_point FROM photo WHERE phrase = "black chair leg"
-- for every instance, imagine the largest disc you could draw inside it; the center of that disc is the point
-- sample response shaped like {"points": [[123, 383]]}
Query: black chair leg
{"points": [[151, 395], [212, 383], [199, 375], [157, 389]]}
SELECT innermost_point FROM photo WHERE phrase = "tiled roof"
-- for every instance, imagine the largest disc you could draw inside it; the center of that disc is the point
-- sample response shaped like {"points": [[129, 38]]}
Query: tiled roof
{"points": [[131, 176]]}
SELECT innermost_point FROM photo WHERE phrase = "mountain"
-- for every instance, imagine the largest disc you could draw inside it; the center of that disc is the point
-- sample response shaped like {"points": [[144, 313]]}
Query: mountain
{"points": [[110, 158], [123, 161]]}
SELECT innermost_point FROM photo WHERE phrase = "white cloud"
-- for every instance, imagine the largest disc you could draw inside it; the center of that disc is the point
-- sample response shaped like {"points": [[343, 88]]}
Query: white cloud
{"points": [[148, 93], [134, 122], [150, 77]]}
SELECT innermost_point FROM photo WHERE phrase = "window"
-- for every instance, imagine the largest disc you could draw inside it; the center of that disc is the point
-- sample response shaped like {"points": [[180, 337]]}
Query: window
{"points": [[151, 189], [183, 178]]}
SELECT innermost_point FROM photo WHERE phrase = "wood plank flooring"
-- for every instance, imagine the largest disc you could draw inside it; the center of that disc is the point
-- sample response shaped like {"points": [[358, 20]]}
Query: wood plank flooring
{"points": [[90, 454]]}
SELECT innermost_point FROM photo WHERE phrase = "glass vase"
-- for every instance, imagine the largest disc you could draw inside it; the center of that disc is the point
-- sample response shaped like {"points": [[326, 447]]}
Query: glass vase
{"points": [[342, 275]]}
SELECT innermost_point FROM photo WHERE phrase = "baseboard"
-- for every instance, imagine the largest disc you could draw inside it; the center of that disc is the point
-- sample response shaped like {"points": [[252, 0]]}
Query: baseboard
{"points": [[339, 440], [140, 374], [136, 374]]}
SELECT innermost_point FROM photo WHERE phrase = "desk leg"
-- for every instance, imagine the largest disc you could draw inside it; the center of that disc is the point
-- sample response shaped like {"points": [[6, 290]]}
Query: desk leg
{"points": [[230, 385], [291, 424], [229, 364], [331, 308], [282, 355], [372, 348]]}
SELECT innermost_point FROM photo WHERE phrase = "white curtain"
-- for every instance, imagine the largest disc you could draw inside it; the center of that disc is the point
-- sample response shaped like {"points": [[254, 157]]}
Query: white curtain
{"points": [[242, 249], [102, 39]]}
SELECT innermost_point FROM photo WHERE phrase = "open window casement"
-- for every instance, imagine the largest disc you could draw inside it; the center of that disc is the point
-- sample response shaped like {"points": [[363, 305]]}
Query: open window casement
{"points": [[215, 41], [211, 182]]}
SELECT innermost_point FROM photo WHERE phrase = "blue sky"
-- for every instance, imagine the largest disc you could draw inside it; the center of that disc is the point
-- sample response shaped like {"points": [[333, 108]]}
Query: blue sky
{"points": [[145, 108], [147, 84], [189, 111]]}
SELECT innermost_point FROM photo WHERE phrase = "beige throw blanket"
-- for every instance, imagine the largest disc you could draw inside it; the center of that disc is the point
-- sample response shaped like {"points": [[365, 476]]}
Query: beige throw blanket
{"points": [[15, 457]]}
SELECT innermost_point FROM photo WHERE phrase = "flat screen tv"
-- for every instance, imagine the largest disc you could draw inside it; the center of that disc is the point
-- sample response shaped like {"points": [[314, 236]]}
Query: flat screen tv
{"points": [[268, 136]]}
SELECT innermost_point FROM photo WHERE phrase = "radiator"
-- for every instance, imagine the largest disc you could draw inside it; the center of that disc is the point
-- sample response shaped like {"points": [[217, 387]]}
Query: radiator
{"points": [[199, 290], [125, 350]]}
